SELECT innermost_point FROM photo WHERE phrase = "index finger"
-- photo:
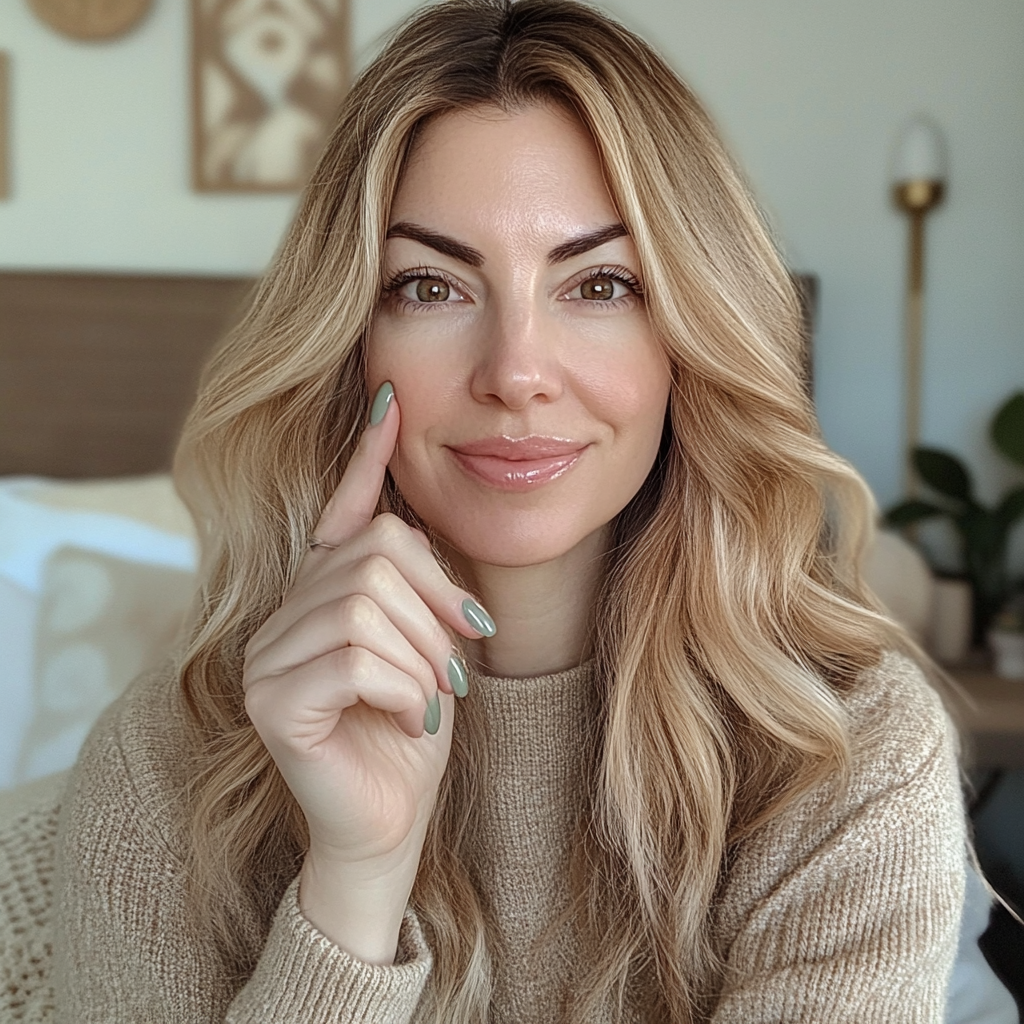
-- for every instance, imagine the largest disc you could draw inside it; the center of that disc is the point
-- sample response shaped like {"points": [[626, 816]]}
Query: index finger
{"points": [[352, 506]]}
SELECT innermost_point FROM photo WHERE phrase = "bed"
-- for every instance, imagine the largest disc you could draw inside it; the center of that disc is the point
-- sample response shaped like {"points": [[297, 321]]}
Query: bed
{"points": [[97, 554]]}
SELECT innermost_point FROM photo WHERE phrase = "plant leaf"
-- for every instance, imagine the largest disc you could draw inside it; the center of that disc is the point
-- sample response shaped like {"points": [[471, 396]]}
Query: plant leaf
{"points": [[913, 511], [1008, 428], [984, 535], [944, 473], [1011, 508]]}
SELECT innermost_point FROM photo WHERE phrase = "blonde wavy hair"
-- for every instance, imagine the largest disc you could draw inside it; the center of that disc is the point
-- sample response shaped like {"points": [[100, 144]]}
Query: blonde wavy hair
{"points": [[732, 616]]}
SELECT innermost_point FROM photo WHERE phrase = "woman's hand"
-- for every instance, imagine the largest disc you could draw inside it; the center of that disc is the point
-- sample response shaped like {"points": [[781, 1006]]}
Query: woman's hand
{"points": [[342, 679]]}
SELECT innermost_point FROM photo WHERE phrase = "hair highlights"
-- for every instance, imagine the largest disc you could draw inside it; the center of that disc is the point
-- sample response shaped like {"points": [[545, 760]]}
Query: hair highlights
{"points": [[732, 613]]}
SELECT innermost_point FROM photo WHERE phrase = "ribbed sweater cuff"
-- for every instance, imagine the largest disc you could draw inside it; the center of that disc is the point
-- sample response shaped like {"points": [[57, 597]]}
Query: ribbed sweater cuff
{"points": [[304, 978]]}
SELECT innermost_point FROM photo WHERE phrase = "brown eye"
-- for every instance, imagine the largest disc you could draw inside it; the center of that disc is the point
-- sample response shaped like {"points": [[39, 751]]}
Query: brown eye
{"points": [[598, 288], [432, 289]]}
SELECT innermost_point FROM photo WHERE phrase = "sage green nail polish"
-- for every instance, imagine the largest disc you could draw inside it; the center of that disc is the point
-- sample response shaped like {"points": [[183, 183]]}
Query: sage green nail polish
{"points": [[432, 716], [478, 618], [381, 402], [457, 676]]}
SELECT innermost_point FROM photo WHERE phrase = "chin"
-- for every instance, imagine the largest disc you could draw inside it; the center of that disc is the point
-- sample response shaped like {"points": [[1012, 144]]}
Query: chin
{"points": [[511, 539], [512, 556]]}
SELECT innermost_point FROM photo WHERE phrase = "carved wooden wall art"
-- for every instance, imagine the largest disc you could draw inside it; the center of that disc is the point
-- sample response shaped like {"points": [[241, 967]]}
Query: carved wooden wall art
{"points": [[267, 78], [91, 19]]}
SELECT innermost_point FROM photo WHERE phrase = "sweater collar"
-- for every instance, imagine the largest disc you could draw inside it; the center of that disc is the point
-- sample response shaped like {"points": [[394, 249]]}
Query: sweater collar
{"points": [[537, 726]]}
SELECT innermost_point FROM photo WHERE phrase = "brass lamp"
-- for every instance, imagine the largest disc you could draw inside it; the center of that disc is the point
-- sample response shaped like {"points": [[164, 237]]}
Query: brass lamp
{"points": [[919, 184]]}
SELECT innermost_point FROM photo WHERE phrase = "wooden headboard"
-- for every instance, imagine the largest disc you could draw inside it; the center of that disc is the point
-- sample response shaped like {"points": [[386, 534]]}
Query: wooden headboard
{"points": [[97, 371]]}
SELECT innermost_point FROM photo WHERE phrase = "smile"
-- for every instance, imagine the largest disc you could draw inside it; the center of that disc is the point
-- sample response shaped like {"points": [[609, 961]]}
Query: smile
{"points": [[518, 464]]}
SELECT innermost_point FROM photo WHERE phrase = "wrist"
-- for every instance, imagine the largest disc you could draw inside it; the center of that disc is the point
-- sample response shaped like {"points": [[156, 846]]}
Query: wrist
{"points": [[359, 906]]}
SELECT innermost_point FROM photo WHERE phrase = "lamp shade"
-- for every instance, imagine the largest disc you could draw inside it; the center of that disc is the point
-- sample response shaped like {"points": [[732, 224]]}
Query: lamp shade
{"points": [[920, 153]]}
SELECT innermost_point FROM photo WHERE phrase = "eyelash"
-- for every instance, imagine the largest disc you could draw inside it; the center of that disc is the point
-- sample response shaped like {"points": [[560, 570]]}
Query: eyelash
{"points": [[620, 274], [416, 274], [616, 273]]}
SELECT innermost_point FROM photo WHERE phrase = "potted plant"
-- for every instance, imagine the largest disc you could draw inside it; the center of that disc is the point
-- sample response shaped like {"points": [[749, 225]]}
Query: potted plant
{"points": [[1006, 639], [983, 531]]}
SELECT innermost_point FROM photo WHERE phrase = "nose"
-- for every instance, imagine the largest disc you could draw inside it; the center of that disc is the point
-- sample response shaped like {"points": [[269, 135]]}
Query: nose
{"points": [[517, 360]]}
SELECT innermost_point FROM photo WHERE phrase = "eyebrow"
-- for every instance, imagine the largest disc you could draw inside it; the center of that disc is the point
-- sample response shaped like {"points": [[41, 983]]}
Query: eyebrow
{"points": [[584, 243], [438, 242], [473, 257]]}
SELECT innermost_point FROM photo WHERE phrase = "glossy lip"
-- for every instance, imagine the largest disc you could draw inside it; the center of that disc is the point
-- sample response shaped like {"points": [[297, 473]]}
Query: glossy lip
{"points": [[518, 463], [520, 448]]}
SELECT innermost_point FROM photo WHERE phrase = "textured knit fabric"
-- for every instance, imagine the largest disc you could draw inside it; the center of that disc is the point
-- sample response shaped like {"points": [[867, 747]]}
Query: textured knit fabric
{"points": [[839, 911]]}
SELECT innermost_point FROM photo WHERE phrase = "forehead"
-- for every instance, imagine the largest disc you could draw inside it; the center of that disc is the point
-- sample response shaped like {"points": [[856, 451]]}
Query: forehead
{"points": [[483, 169]]}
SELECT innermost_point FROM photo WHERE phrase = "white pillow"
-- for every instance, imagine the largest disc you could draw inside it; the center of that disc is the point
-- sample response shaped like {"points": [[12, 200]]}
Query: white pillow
{"points": [[101, 621], [139, 519], [17, 623]]}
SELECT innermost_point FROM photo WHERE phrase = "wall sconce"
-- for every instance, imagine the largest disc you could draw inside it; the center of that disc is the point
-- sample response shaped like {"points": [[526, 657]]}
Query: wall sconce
{"points": [[918, 186]]}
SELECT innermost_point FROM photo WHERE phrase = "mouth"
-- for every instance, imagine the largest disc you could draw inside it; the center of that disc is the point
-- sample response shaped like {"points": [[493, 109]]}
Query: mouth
{"points": [[518, 463]]}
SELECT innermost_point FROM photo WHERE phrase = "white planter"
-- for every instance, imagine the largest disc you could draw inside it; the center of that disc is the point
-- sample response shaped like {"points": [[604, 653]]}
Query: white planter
{"points": [[949, 635], [1008, 650]]}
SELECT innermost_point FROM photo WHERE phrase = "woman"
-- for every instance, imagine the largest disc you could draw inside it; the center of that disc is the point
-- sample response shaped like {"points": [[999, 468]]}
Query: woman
{"points": [[552, 693]]}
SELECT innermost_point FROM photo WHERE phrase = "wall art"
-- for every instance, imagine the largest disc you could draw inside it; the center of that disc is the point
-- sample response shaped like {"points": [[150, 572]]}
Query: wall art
{"points": [[267, 78], [91, 19]]}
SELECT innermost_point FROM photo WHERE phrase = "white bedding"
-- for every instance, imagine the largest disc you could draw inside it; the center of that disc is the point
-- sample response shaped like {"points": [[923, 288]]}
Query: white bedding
{"points": [[138, 520], [17, 626]]}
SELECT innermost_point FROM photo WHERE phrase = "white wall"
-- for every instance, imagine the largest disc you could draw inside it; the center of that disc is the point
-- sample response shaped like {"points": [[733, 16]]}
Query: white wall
{"points": [[100, 137], [101, 162], [809, 94]]}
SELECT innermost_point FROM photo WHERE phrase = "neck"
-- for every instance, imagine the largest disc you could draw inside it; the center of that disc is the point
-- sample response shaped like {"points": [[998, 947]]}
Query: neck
{"points": [[543, 612]]}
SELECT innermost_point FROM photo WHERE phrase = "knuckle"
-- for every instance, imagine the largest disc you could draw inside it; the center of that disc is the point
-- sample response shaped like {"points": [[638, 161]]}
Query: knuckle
{"points": [[422, 539], [376, 572], [389, 529], [357, 610]]}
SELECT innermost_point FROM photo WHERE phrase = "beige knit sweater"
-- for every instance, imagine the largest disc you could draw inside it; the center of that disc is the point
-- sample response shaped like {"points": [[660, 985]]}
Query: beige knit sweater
{"points": [[846, 913]]}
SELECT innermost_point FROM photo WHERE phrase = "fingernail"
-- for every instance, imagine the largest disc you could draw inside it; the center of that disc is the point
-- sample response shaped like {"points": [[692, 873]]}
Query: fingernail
{"points": [[457, 676], [379, 409], [478, 618], [432, 716]]}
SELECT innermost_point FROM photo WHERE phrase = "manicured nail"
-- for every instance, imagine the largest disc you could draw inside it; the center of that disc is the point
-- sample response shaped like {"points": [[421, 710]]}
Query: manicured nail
{"points": [[432, 716], [478, 618], [379, 409], [457, 676]]}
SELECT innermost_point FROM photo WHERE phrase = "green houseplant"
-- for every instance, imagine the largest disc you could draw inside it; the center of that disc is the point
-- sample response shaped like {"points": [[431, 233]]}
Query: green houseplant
{"points": [[983, 531]]}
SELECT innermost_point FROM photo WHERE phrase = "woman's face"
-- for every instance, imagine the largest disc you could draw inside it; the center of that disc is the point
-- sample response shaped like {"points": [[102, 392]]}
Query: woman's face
{"points": [[531, 388]]}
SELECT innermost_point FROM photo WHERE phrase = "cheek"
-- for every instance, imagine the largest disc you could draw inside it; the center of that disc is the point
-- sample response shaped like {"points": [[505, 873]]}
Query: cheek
{"points": [[415, 365], [626, 386], [428, 379]]}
